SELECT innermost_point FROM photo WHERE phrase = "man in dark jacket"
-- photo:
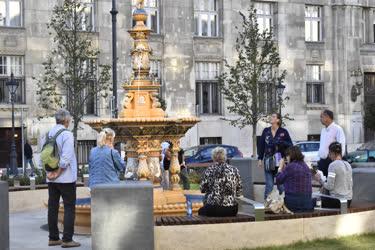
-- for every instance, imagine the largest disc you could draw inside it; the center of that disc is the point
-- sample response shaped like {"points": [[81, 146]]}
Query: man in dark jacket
{"points": [[29, 156]]}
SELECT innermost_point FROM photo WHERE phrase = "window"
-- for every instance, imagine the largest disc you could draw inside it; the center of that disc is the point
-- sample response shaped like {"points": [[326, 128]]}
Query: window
{"points": [[8, 65], [315, 85], [267, 92], [155, 69], [206, 18], [83, 150], [264, 16], [207, 90], [88, 15], [152, 9], [209, 140], [313, 23], [89, 92], [11, 13], [373, 25]]}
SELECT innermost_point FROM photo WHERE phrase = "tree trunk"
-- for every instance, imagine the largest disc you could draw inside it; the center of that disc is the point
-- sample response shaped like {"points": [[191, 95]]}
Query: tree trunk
{"points": [[255, 154]]}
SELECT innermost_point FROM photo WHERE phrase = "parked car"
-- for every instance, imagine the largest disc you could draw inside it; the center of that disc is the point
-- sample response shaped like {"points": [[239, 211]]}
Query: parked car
{"points": [[310, 150], [202, 153], [364, 156]]}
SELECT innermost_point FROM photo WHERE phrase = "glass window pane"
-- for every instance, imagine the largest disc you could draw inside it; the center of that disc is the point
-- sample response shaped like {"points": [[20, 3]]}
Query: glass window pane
{"points": [[154, 20], [2, 13], [307, 31], [3, 65], [204, 23], [213, 25], [309, 93], [15, 13], [206, 98], [196, 26], [215, 98], [198, 94], [315, 31]]}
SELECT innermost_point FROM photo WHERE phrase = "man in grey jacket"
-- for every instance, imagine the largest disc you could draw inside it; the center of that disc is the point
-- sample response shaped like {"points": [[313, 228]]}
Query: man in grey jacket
{"points": [[62, 183]]}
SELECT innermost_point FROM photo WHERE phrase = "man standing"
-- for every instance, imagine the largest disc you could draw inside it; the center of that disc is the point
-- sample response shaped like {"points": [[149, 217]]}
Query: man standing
{"points": [[29, 157], [331, 133], [62, 182]]}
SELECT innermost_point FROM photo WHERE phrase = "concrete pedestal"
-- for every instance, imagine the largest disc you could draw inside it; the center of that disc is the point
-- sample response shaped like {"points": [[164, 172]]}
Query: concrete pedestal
{"points": [[122, 216], [4, 216]]}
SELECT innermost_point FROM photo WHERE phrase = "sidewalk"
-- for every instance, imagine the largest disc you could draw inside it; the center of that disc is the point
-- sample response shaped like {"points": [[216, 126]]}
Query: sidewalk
{"points": [[25, 232]]}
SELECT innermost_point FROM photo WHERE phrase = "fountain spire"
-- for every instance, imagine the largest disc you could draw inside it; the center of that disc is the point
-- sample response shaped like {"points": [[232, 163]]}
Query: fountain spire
{"points": [[141, 99]]}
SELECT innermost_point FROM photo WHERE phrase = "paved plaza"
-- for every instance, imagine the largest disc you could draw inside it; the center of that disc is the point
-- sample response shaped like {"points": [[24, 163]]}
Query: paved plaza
{"points": [[26, 232]]}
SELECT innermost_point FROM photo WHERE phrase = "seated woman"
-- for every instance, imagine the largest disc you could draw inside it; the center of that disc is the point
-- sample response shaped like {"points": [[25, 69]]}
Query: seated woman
{"points": [[339, 180], [105, 163], [221, 184], [296, 178]]}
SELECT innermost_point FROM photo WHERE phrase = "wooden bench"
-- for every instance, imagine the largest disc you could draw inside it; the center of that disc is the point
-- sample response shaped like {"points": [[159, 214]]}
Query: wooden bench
{"points": [[197, 219]]}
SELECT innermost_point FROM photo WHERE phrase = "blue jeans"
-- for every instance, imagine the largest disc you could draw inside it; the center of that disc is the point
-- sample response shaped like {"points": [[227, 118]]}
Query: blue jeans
{"points": [[30, 161], [269, 177]]}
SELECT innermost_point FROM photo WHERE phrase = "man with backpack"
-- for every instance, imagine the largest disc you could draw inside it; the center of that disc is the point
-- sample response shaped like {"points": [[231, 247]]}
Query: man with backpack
{"points": [[61, 178]]}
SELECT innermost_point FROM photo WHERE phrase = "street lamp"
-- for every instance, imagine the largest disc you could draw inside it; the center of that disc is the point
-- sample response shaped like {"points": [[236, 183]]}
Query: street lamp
{"points": [[280, 90], [12, 87], [114, 12]]}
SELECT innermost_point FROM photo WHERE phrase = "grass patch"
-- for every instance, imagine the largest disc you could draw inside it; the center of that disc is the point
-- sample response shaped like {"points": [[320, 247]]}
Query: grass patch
{"points": [[356, 242], [194, 186]]}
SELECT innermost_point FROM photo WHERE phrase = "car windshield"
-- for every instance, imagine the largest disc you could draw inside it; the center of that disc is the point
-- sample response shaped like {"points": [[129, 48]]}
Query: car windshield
{"points": [[358, 156], [308, 147], [190, 152]]}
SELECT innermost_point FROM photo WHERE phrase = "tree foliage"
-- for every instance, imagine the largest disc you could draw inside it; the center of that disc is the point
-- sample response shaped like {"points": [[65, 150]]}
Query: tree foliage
{"points": [[71, 68], [255, 72]]}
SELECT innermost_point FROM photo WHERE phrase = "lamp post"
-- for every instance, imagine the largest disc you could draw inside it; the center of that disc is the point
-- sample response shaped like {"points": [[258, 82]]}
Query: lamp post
{"points": [[280, 90], [12, 86], [114, 57]]}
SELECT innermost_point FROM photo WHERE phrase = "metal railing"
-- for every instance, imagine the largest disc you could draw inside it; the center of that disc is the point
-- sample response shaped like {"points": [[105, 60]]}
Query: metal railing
{"points": [[343, 202]]}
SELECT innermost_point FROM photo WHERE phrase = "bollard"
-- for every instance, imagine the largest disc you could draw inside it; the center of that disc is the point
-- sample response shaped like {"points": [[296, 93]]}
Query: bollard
{"points": [[86, 180], [32, 183], [122, 216], [4, 218]]}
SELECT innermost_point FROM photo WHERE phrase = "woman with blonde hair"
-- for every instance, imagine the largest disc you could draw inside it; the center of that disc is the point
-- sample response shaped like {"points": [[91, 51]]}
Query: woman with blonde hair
{"points": [[105, 163], [221, 184]]}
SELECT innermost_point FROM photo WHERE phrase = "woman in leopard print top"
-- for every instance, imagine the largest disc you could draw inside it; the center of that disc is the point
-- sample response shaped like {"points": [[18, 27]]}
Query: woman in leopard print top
{"points": [[221, 184]]}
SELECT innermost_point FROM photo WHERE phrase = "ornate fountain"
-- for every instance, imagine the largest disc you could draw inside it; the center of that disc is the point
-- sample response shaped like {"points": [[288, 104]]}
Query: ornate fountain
{"points": [[142, 125]]}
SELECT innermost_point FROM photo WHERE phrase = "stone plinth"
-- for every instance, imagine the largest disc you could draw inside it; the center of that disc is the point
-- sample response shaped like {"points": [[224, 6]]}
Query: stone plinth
{"points": [[4, 216], [122, 216]]}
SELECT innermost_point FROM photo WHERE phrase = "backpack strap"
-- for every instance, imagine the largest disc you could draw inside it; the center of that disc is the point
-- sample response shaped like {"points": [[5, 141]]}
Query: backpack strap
{"points": [[58, 133]]}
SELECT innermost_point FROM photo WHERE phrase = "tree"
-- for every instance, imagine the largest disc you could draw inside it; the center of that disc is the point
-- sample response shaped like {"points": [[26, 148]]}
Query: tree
{"points": [[246, 83], [71, 68]]}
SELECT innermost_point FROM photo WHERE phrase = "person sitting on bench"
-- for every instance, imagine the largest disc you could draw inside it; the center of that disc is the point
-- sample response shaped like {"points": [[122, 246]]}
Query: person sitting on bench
{"points": [[221, 184], [339, 181], [296, 178]]}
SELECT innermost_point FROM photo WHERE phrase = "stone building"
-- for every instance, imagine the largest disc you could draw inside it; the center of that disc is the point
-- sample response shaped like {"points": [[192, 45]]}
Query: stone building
{"points": [[323, 45]]}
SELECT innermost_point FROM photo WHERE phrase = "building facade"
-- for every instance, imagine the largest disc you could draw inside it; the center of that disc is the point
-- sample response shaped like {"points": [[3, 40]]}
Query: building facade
{"points": [[323, 44]]}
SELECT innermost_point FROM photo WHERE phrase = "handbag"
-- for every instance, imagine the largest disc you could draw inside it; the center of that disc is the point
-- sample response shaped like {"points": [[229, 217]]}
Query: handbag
{"points": [[270, 163]]}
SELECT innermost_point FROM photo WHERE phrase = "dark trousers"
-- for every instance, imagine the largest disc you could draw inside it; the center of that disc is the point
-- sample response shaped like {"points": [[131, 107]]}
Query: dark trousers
{"points": [[299, 203], [184, 175], [218, 211], [323, 165], [68, 193]]}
